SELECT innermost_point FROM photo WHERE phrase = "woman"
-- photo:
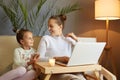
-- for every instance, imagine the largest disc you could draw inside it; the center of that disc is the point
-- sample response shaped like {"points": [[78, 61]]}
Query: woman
{"points": [[57, 46]]}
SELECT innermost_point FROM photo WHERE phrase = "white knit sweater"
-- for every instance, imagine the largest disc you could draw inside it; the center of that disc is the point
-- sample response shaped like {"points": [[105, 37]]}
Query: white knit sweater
{"points": [[55, 46], [21, 57]]}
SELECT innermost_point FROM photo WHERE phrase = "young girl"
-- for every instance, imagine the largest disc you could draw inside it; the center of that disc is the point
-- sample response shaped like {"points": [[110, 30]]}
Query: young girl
{"points": [[23, 59], [57, 46]]}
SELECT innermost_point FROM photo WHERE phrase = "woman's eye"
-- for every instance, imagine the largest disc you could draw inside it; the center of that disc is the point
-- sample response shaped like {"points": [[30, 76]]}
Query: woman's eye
{"points": [[51, 26]]}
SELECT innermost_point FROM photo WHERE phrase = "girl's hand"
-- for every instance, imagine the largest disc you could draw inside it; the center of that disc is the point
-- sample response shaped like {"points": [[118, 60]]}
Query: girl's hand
{"points": [[72, 35], [35, 56], [33, 59]]}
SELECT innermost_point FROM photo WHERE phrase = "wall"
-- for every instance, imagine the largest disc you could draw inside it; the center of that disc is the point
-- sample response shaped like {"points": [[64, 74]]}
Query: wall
{"points": [[88, 26], [82, 23]]}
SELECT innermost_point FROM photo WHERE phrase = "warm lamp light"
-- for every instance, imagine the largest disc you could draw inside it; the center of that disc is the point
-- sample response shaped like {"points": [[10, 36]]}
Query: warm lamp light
{"points": [[107, 10]]}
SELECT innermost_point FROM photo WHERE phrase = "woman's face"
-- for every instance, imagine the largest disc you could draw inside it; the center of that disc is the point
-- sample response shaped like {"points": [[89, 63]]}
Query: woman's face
{"points": [[54, 28]]}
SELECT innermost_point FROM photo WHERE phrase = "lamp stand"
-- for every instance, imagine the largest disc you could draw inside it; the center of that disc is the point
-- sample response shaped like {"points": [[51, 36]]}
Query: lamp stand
{"points": [[108, 50], [107, 47]]}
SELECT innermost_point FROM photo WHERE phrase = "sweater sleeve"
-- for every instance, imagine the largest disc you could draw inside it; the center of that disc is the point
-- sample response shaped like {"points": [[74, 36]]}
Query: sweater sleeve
{"points": [[72, 41], [42, 47], [18, 61]]}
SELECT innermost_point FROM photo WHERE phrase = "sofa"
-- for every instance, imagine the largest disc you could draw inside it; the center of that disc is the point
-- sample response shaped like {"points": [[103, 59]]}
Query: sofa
{"points": [[9, 43]]}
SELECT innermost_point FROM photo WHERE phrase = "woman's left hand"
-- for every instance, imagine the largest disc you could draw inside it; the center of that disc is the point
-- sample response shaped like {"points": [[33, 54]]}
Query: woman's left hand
{"points": [[72, 35]]}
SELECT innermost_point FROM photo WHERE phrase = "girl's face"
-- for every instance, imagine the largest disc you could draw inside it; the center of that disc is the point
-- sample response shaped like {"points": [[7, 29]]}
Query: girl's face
{"points": [[54, 28], [27, 40]]}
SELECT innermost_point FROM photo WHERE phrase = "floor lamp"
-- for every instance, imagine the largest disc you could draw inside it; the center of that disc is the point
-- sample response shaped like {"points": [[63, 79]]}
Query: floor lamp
{"points": [[107, 10]]}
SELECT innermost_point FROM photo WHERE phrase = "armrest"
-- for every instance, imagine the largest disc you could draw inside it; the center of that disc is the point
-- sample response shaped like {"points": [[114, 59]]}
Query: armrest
{"points": [[104, 72], [108, 75]]}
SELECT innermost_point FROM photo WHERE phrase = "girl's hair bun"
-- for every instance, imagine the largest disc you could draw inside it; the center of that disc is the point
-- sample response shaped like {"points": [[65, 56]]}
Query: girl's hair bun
{"points": [[17, 31], [63, 17]]}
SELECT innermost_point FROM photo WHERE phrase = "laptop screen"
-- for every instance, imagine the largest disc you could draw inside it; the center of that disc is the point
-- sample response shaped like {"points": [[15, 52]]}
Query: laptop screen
{"points": [[86, 53]]}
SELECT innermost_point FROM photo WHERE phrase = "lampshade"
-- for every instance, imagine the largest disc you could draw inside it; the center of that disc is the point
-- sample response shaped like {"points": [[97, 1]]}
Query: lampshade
{"points": [[107, 9]]}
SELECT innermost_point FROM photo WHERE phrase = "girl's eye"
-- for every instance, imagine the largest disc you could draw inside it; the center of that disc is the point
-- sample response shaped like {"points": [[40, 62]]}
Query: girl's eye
{"points": [[29, 38]]}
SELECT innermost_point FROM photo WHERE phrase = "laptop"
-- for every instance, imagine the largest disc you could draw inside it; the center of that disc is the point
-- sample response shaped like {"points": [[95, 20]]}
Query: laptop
{"points": [[86, 39], [85, 53]]}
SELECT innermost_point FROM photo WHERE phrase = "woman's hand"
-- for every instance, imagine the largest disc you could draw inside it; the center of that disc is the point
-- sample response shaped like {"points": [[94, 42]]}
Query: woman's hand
{"points": [[63, 59], [72, 35]]}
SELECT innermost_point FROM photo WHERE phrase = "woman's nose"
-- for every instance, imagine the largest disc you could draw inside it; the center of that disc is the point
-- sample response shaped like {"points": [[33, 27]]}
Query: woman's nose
{"points": [[48, 28]]}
